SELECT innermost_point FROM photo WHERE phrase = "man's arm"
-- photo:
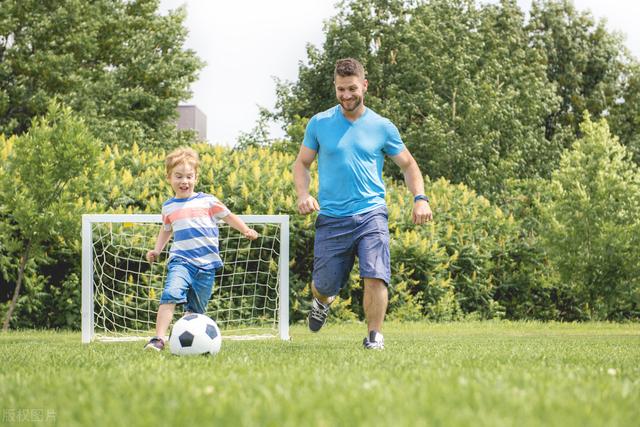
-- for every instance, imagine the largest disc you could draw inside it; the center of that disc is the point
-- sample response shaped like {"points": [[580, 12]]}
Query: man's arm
{"points": [[413, 178], [302, 180]]}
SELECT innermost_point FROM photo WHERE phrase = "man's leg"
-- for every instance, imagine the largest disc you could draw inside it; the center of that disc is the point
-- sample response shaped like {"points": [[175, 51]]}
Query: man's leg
{"points": [[333, 258], [319, 309], [375, 303], [375, 269], [324, 299]]}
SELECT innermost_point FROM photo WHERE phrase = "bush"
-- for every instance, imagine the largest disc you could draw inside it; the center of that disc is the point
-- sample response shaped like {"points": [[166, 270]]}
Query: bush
{"points": [[591, 227], [472, 260]]}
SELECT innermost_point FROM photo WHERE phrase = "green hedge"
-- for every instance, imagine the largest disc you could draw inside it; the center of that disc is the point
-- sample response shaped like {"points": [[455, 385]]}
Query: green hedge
{"points": [[472, 260]]}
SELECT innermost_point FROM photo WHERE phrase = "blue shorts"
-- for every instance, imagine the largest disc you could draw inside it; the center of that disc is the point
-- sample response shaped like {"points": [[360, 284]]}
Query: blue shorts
{"points": [[339, 240], [188, 284]]}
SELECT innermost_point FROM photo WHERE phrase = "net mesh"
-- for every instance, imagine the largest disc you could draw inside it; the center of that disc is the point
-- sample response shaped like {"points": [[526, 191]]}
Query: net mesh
{"points": [[127, 289]]}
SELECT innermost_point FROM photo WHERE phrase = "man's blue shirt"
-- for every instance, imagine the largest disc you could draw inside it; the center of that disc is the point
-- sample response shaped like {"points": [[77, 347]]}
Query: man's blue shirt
{"points": [[350, 159]]}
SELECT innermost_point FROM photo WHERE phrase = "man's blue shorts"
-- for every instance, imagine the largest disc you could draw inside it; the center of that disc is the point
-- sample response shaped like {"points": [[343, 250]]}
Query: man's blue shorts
{"points": [[188, 284], [339, 240]]}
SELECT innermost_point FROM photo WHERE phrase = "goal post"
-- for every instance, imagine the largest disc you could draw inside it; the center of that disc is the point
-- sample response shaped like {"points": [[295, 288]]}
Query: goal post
{"points": [[121, 290]]}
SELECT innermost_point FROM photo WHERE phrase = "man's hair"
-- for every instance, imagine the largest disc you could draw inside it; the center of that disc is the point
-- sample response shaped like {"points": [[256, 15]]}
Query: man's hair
{"points": [[348, 67], [180, 156]]}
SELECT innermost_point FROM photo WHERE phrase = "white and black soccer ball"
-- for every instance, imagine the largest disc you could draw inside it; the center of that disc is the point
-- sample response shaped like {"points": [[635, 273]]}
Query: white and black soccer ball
{"points": [[195, 334]]}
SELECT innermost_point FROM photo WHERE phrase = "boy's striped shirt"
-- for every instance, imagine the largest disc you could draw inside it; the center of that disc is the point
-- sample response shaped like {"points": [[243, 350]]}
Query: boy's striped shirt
{"points": [[195, 230]]}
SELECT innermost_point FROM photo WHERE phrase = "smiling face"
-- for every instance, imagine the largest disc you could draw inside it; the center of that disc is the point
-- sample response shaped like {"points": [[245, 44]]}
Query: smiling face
{"points": [[350, 92], [183, 178]]}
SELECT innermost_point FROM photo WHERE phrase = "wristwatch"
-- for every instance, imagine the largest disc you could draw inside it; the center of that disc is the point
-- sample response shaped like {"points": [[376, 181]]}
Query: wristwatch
{"points": [[420, 197]]}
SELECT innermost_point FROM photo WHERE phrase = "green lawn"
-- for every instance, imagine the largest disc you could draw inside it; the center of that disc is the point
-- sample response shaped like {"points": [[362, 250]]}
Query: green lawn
{"points": [[456, 374]]}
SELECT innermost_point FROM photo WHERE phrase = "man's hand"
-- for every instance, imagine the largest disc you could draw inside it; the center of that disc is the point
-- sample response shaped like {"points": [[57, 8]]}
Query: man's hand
{"points": [[307, 204], [422, 212], [251, 234], [152, 256]]}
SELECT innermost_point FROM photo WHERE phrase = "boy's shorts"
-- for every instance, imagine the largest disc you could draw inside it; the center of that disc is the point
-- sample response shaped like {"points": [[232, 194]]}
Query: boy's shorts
{"points": [[188, 284], [339, 240]]}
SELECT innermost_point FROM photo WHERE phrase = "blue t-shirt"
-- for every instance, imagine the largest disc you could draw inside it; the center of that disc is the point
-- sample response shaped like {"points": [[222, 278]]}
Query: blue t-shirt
{"points": [[350, 159]]}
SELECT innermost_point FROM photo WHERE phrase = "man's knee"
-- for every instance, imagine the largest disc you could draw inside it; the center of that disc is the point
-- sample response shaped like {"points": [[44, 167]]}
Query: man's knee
{"points": [[374, 283], [318, 293]]}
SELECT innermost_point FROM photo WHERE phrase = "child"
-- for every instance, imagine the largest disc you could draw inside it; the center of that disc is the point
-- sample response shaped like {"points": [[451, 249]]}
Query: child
{"points": [[194, 255]]}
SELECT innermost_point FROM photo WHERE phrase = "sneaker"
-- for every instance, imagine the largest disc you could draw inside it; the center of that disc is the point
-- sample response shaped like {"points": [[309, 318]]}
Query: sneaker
{"points": [[375, 341], [155, 343], [317, 315]]}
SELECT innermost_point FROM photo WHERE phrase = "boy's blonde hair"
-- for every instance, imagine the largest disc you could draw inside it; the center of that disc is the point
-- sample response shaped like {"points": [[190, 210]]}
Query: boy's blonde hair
{"points": [[182, 155]]}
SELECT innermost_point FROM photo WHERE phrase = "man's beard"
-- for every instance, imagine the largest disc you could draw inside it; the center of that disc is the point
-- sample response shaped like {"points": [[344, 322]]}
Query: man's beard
{"points": [[356, 103]]}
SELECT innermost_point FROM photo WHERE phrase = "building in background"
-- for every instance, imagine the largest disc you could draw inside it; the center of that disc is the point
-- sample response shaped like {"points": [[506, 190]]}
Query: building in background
{"points": [[190, 117]]}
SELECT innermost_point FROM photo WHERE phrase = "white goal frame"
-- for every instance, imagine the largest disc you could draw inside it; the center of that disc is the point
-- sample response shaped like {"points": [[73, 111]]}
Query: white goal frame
{"points": [[88, 325]]}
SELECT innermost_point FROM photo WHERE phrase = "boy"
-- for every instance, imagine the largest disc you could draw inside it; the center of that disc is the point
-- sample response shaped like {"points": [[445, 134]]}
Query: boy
{"points": [[194, 256]]}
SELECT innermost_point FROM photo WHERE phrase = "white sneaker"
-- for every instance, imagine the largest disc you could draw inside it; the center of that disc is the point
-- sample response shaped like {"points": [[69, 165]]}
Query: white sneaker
{"points": [[375, 341]]}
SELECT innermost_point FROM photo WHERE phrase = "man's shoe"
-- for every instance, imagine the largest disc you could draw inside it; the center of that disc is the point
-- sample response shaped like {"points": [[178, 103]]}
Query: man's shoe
{"points": [[317, 315], [155, 343], [375, 341]]}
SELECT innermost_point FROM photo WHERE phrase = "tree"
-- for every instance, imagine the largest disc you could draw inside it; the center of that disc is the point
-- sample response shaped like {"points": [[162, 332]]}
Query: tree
{"points": [[460, 81], [45, 171], [592, 224], [625, 113], [586, 63], [118, 63]]}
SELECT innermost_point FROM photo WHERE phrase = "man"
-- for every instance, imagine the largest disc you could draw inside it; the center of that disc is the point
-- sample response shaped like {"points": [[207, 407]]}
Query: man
{"points": [[350, 141]]}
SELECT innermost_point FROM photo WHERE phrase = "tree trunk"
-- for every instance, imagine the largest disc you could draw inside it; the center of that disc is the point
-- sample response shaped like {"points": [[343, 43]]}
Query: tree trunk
{"points": [[16, 292]]}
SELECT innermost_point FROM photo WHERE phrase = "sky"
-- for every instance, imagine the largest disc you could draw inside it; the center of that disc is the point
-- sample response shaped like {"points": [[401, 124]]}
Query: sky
{"points": [[246, 43]]}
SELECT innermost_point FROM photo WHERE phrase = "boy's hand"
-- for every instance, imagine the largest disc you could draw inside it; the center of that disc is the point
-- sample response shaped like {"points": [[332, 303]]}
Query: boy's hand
{"points": [[251, 234], [152, 256]]}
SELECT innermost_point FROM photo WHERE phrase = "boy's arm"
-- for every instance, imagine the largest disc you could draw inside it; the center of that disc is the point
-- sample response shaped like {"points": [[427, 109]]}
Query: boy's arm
{"points": [[161, 241], [237, 223]]}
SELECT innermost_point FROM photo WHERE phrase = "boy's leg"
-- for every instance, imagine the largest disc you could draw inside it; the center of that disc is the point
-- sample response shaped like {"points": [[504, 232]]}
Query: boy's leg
{"points": [[164, 318], [200, 291], [175, 291]]}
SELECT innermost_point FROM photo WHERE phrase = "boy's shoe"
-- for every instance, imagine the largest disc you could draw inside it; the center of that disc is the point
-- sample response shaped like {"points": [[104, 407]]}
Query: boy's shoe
{"points": [[318, 314], [155, 343], [375, 341]]}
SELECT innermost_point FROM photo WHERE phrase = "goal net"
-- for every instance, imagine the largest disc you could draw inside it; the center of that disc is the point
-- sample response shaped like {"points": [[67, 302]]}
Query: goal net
{"points": [[121, 290]]}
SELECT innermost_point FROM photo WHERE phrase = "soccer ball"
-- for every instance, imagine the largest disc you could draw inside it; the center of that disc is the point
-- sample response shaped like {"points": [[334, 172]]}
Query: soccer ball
{"points": [[195, 334]]}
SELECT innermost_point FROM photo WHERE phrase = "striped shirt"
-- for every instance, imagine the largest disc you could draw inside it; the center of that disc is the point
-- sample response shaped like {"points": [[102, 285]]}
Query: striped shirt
{"points": [[195, 230]]}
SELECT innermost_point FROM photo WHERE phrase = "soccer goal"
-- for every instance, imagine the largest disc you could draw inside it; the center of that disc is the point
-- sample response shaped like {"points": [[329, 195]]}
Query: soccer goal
{"points": [[121, 290]]}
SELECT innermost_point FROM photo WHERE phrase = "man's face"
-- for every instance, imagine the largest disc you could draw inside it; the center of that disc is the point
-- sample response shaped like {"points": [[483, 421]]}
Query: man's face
{"points": [[350, 91]]}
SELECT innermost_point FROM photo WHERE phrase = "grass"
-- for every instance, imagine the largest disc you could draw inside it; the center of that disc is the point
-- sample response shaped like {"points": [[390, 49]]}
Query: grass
{"points": [[456, 374]]}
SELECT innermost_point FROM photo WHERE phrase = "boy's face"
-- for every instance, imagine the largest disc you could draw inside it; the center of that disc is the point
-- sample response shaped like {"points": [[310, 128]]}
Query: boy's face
{"points": [[183, 180]]}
